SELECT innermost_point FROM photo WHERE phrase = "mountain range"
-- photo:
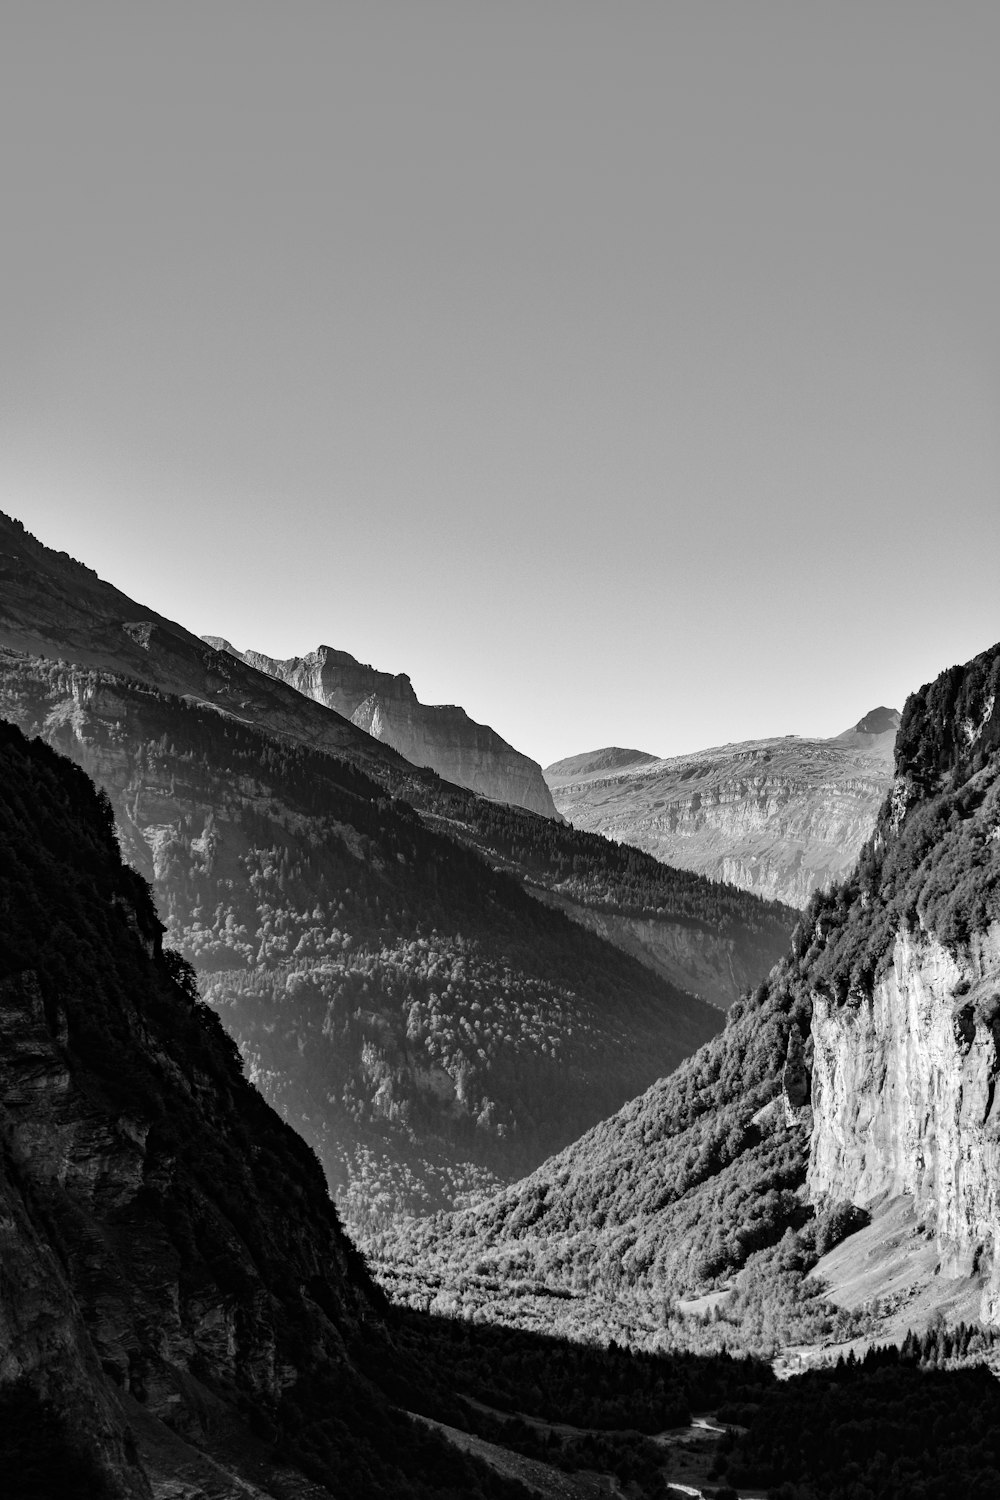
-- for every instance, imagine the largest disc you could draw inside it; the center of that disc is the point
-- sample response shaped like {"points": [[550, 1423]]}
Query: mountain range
{"points": [[182, 1314], [433, 988], [850, 1098], [779, 817], [407, 967]]}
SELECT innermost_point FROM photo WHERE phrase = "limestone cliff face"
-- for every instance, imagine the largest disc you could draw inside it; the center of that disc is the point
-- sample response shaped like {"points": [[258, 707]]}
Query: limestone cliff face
{"points": [[442, 737], [906, 1002], [778, 817], [904, 1098]]}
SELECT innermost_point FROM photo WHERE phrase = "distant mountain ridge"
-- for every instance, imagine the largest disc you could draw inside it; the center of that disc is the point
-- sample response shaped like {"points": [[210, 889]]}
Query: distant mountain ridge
{"points": [[441, 736], [377, 939], [779, 816]]}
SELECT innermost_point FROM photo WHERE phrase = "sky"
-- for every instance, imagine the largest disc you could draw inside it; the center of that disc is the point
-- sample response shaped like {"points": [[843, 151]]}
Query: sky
{"points": [[627, 373]]}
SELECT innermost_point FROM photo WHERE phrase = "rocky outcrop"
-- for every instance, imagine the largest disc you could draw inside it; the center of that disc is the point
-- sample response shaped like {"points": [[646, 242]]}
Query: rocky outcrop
{"points": [[904, 1099], [778, 817], [442, 737]]}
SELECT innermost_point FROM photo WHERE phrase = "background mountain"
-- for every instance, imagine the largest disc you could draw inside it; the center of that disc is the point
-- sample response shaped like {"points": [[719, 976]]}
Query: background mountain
{"points": [[859, 1079], [385, 706], [386, 952], [780, 816]]}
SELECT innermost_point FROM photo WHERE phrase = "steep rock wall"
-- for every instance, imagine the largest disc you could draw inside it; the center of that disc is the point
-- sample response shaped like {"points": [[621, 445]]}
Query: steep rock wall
{"points": [[442, 737], [904, 1098], [780, 818]]}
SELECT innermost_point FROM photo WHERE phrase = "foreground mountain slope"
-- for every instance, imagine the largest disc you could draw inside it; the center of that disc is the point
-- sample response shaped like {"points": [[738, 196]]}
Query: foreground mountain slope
{"points": [[864, 1068], [385, 706], [176, 1284], [780, 817], [422, 1020]]}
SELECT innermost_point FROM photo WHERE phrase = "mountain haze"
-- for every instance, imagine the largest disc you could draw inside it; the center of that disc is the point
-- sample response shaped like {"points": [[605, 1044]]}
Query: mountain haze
{"points": [[780, 816], [442, 737], [401, 961]]}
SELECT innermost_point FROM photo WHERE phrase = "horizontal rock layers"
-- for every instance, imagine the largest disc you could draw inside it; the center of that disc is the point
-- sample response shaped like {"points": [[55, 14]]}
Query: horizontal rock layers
{"points": [[904, 1098], [778, 817]]}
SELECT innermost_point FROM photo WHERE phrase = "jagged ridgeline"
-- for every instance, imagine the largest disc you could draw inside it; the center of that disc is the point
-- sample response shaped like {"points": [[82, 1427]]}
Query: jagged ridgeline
{"points": [[863, 1069], [180, 1309], [424, 1022]]}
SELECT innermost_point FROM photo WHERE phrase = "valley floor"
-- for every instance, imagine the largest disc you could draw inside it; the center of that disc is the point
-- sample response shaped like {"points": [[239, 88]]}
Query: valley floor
{"points": [[688, 1454]]}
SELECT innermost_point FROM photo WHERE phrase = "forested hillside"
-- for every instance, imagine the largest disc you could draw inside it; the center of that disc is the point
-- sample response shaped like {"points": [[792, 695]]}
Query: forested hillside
{"points": [[424, 1022], [181, 1311], [701, 936], [704, 1178]]}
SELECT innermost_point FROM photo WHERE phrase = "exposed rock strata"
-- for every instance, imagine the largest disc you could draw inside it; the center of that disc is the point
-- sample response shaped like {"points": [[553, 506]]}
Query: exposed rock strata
{"points": [[904, 1099], [778, 817], [442, 737]]}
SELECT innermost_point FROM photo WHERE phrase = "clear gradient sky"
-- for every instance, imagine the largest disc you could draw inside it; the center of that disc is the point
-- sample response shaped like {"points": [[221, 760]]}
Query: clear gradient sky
{"points": [[627, 373]]}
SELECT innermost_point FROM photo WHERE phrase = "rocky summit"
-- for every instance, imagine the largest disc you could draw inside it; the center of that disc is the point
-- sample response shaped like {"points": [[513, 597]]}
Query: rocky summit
{"points": [[440, 736], [780, 817]]}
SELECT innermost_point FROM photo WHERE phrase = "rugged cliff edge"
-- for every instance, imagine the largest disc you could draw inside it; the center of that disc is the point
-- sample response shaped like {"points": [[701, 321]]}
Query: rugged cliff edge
{"points": [[904, 1099], [863, 1070], [906, 1021], [779, 817], [442, 737]]}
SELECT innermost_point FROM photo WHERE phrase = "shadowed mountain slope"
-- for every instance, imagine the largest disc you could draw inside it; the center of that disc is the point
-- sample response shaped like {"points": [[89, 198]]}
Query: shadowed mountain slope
{"points": [[780, 817], [415, 1013], [698, 935], [371, 942], [176, 1285], [51, 605]]}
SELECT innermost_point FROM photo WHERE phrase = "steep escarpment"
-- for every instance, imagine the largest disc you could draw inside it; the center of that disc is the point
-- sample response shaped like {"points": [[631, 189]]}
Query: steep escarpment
{"points": [[863, 1068], [442, 737], [904, 1096], [779, 817], [176, 1285], [906, 1016]]}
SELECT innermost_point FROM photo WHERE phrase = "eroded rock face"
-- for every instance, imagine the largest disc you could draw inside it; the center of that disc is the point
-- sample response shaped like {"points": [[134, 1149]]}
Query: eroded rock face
{"points": [[904, 1098], [442, 737], [778, 817]]}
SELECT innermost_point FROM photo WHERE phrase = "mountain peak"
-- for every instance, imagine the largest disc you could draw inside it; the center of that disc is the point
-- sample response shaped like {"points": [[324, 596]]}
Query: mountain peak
{"points": [[439, 736], [878, 721]]}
